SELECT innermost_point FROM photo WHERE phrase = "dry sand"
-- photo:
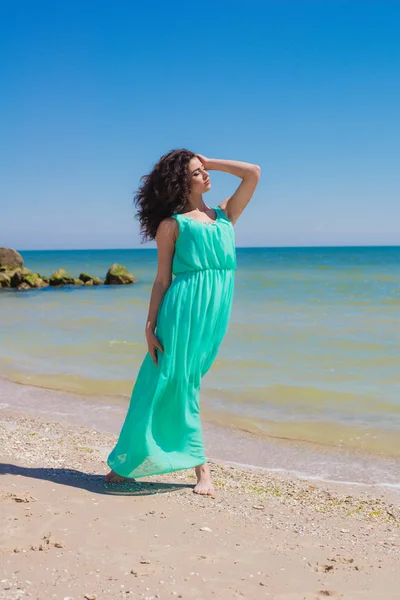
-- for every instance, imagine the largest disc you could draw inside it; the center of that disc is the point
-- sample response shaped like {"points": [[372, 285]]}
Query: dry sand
{"points": [[65, 535]]}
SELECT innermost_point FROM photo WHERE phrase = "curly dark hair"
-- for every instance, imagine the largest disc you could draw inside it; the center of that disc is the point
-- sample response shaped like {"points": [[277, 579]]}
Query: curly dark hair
{"points": [[163, 192]]}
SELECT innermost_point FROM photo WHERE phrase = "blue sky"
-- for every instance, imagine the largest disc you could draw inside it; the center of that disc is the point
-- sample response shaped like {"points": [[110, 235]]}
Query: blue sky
{"points": [[93, 93]]}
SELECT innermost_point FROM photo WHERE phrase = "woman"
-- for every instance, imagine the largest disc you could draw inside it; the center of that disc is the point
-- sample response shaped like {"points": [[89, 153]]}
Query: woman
{"points": [[188, 316]]}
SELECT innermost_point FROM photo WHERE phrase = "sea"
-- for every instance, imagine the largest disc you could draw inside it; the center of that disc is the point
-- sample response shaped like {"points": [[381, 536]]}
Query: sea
{"points": [[311, 359]]}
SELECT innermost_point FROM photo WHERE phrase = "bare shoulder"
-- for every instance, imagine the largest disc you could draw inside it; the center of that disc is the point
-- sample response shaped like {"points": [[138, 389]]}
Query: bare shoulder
{"points": [[167, 230]]}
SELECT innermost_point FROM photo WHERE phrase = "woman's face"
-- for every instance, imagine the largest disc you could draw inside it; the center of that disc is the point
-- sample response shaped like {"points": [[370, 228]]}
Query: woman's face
{"points": [[199, 178]]}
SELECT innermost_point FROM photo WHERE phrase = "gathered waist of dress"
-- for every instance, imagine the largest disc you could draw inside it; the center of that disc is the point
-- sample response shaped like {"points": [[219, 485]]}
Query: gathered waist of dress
{"points": [[193, 271]]}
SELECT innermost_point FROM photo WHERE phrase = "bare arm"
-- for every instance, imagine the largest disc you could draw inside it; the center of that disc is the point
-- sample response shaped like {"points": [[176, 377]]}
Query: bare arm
{"points": [[167, 233], [250, 175]]}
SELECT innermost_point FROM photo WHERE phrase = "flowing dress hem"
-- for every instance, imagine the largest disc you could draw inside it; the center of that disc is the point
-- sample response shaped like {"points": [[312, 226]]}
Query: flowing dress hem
{"points": [[138, 475]]}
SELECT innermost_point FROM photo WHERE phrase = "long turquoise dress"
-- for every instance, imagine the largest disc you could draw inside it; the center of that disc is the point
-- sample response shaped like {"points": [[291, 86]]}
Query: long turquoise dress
{"points": [[162, 430]]}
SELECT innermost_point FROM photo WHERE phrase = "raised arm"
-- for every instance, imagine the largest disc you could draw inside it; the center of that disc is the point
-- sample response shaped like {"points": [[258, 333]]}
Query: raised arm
{"points": [[250, 175]]}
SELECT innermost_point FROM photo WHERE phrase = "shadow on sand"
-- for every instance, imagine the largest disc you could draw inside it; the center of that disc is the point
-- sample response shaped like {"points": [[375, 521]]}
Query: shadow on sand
{"points": [[92, 483]]}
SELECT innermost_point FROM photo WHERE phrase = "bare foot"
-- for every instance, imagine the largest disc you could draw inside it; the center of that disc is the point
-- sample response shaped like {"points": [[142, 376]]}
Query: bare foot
{"points": [[113, 477], [204, 485]]}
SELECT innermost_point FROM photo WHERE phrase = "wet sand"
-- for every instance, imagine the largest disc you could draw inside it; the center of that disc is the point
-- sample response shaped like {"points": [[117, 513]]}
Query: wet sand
{"points": [[224, 439], [66, 535]]}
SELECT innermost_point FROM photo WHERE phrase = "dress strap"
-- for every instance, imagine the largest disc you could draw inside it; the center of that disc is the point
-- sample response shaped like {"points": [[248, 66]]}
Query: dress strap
{"points": [[178, 216]]}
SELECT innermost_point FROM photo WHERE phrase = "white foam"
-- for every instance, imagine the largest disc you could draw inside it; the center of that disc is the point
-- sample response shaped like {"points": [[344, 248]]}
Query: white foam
{"points": [[310, 477]]}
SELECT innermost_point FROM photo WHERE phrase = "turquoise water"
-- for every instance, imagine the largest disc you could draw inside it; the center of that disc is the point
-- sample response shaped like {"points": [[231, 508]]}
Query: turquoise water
{"points": [[312, 352]]}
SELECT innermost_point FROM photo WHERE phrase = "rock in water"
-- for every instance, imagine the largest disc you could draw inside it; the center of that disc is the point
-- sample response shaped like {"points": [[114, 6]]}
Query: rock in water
{"points": [[22, 279], [118, 275], [5, 280], [13, 274], [10, 259], [16, 277], [61, 277], [34, 280], [85, 277], [89, 280]]}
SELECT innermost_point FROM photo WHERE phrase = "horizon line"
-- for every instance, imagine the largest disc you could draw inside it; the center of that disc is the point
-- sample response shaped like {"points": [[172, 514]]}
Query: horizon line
{"points": [[237, 247]]}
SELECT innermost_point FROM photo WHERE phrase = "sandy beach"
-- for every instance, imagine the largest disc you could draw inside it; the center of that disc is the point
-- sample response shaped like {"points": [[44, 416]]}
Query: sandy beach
{"points": [[66, 535]]}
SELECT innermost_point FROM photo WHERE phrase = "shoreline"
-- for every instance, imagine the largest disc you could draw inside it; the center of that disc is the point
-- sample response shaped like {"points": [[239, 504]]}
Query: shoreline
{"points": [[219, 406], [68, 535], [231, 445], [101, 441]]}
